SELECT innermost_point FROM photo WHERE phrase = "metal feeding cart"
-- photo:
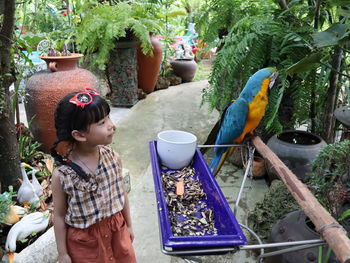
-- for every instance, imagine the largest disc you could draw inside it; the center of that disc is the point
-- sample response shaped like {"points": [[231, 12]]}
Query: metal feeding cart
{"points": [[229, 236]]}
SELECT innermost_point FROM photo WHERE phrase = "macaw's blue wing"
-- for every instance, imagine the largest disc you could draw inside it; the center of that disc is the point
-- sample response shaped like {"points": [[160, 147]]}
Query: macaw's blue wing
{"points": [[232, 126], [215, 130]]}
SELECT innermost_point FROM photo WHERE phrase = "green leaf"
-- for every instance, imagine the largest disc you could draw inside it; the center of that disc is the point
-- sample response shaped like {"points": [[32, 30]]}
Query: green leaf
{"points": [[332, 35], [306, 64], [338, 2], [345, 42], [33, 234], [344, 215], [173, 14], [344, 12]]}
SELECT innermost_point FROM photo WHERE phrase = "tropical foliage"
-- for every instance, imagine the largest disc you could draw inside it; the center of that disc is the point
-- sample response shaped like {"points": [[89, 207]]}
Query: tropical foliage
{"points": [[51, 20], [105, 24], [6, 200], [330, 180], [290, 38]]}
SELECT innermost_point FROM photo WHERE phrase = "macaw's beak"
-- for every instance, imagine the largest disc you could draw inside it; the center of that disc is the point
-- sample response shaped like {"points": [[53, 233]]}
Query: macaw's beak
{"points": [[273, 82], [10, 256]]}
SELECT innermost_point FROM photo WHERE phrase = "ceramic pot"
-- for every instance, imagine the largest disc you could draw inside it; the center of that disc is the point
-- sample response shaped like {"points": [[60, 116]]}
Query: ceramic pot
{"points": [[343, 115], [297, 149], [184, 68], [295, 226], [149, 66], [258, 168], [47, 87], [176, 148]]}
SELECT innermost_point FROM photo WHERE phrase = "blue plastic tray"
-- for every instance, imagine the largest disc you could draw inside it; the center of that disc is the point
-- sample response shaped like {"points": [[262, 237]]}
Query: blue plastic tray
{"points": [[229, 232]]}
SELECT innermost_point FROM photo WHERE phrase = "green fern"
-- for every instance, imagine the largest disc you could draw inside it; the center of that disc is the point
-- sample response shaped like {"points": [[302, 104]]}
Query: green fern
{"points": [[257, 42], [273, 125], [104, 25]]}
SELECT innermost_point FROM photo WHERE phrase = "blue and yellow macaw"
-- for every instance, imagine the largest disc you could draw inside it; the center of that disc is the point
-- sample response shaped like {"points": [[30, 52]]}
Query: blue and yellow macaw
{"points": [[243, 115]]}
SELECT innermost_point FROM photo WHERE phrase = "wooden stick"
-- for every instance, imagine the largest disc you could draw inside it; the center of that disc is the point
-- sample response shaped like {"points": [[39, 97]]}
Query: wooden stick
{"points": [[331, 231]]}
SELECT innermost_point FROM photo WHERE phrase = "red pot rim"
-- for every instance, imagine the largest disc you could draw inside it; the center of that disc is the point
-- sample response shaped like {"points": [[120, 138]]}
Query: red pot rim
{"points": [[73, 55]]}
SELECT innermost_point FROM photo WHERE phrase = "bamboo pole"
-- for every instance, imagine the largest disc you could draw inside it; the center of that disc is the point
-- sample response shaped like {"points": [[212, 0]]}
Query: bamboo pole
{"points": [[331, 231]]}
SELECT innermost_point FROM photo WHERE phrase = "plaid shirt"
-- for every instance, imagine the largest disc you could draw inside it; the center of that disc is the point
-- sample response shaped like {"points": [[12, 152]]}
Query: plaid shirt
{"points": [[89, 202]]}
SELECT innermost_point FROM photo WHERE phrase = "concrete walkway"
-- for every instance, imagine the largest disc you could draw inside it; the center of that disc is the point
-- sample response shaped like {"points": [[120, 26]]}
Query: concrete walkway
{"points": [[174, 108]]}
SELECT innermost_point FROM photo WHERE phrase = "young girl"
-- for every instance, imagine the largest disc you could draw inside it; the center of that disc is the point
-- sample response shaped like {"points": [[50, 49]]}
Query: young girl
{"points": [[91, 210]]}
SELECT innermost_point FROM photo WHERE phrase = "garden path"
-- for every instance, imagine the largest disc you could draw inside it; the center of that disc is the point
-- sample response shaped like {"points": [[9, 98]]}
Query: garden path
{"points": [[174, 108]]}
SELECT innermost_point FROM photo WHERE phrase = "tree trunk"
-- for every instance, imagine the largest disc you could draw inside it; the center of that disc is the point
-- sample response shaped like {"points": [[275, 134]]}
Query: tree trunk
{"points": [[313, 112], [332, 94], [9, 157], [317, 14], [286, 110], [283, 4]]}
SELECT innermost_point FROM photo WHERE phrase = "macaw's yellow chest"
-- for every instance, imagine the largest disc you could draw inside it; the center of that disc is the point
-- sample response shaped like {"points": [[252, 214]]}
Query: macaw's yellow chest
{"points": [[256, 110]]}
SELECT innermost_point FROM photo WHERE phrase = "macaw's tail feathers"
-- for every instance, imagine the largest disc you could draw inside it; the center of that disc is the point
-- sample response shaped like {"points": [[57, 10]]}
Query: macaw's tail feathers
{"points": [[215, 163], [219, 160], [211, 137]]}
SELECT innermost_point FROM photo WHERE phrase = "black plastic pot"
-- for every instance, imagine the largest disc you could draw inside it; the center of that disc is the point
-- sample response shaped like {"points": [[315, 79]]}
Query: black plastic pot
{"points": [[295, 226], [297, 149]]}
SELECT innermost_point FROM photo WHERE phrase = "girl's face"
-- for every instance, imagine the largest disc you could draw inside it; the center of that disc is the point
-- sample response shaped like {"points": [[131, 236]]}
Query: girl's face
{"points": [[100, 133]]}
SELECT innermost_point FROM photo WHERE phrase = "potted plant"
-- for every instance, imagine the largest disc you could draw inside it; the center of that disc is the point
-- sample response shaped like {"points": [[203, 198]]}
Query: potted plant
{"points": [[184, 64], [108, 35], [330, 180]]}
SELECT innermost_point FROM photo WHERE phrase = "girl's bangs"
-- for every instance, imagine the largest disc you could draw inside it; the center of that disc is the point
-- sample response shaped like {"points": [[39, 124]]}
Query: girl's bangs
{"points": [[93, 113], [98, 111]]}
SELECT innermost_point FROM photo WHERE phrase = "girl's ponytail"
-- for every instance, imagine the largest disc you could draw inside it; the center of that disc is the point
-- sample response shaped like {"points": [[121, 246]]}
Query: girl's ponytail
{"points": [[61, 160]]}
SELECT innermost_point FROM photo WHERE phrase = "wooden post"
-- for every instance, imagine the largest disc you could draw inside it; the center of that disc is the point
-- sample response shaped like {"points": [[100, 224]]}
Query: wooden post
{"points": [[332, 232]]}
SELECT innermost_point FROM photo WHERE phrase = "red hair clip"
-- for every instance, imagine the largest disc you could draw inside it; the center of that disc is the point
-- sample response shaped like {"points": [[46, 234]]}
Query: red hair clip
{"points": [[84, 98]]}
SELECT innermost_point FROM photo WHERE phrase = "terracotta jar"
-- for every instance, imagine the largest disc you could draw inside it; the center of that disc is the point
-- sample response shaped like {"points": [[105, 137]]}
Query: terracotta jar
{"points": [[258, 169], [258, 164], [47, 87], [149, 66], [184, 68]]}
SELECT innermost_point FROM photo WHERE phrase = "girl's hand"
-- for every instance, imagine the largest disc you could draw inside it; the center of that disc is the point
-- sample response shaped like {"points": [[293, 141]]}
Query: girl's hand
{"points": [[64, 258], [131, 232]]}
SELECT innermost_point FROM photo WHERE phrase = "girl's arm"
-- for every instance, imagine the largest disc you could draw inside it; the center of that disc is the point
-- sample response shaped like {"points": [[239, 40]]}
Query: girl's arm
{"points": [[126, 214], [126, 208], [60, 209]]}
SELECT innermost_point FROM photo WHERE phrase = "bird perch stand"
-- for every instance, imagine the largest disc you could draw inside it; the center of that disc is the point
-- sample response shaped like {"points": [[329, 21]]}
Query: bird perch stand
{"points": [[331, 231]]}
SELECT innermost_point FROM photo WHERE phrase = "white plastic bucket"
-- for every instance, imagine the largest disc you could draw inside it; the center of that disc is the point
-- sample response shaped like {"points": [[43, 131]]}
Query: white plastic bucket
{"points": [[176, 148]]}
